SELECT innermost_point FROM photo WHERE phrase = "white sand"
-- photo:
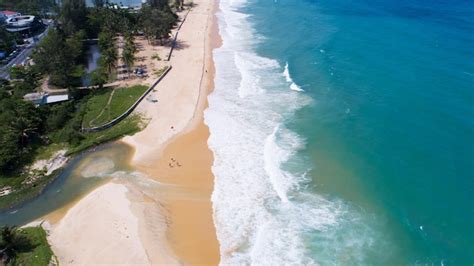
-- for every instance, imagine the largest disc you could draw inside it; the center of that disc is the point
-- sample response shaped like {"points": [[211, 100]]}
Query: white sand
{"points": [[178, 94], [100, 229]]}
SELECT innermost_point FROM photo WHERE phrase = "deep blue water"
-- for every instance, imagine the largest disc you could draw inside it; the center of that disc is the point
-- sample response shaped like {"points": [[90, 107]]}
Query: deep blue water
{"points": [[390, 128]]}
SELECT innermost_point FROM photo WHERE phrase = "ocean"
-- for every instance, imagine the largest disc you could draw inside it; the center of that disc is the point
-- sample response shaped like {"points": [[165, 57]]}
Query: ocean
{"points": [[343, 132]]}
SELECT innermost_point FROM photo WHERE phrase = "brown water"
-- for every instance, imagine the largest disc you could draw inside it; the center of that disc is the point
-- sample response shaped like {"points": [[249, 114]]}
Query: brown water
{"points": [[82, 174]]}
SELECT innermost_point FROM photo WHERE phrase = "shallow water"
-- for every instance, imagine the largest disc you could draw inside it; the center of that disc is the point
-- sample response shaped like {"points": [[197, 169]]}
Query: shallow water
{"points": [[82, 174]]}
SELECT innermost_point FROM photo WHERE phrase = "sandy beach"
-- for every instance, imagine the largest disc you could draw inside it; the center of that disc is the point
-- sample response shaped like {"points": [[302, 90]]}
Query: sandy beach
{"points": [[123, 222], [102, 229]]}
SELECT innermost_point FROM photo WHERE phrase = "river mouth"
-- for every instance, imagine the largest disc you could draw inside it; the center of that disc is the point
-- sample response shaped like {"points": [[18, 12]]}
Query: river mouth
{"points": [[82, 174]]}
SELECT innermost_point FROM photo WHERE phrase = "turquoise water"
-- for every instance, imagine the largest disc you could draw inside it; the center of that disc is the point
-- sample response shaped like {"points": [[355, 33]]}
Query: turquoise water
{"points": [[343, 132]]}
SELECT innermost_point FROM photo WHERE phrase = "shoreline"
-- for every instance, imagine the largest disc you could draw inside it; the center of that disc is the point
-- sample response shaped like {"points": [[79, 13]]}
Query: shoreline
{"points": [[173, 223], [184, 161]]}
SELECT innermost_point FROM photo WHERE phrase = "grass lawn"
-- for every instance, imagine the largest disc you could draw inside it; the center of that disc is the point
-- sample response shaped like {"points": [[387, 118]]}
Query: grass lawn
{"points": [[95, 105], [38, 253], [128, 126], [98, 112]]}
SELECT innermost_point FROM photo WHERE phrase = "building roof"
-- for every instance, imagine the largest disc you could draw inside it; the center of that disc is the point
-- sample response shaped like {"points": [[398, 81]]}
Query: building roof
{"points": [[9, 12], [42, 98], [20, 21], [34, 96], [56, 98]]}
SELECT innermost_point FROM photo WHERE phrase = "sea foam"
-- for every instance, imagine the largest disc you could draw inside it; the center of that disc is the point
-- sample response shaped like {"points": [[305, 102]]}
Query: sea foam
{"points": [[263, 211], [286, 74]]}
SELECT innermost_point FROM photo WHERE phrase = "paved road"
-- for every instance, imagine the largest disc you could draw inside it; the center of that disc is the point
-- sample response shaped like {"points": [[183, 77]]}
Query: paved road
{"points": [[21, 57]]}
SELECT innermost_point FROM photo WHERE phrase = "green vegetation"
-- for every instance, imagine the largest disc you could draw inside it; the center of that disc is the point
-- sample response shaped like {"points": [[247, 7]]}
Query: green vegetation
{"points": [[128, 54], [128, 126], [7, 40], [95, 106], [24, 246], [72, 16], [156, 21], [30, 132], [109, 104], [34, 7], [59, 56]]}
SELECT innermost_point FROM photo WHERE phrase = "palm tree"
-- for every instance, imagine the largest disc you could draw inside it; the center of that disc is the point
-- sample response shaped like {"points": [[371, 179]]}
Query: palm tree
{"points": [[109, 56], [110, 59], [128, 53], [11, 243]]}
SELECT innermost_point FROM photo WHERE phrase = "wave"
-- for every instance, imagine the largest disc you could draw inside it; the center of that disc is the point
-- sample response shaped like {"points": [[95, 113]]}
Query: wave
{"points": [[293, 86], [264, 210]]}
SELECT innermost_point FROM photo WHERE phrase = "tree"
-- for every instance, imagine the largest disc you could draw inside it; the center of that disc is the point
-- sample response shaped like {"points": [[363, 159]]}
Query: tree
{"points": [[109, 56], [33, 7], [165, 22], [73, 16], [11, 243], [99, 3], [128, 53], [7, 40], [52, 57], [24, 79], [58, 115], [57, 56], [156, 23], [158, 4]]}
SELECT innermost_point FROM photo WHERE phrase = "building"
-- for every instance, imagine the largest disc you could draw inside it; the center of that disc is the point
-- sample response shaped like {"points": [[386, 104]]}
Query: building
{"points": [[9, 14], [23, 23], [19, 23], [43, 98]]}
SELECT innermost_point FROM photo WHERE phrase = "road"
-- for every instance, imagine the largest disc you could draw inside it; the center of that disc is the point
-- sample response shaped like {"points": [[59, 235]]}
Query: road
{"points": [[23, 55]]}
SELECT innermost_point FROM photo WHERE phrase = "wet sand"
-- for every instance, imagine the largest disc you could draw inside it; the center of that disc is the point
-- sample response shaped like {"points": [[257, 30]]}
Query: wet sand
{"points": [[185, 164], [169, 218]]}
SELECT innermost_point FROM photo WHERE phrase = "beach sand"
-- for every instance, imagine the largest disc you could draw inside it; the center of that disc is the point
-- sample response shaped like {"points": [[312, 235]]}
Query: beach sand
{"points": [[100, 229], [181, 158], [172, 224]]}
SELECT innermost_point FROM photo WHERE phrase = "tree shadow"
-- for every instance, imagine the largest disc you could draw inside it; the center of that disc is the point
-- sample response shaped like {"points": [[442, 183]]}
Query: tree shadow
{"points": [[190, 4], [140, 58], [139, 47], [179, 45]]}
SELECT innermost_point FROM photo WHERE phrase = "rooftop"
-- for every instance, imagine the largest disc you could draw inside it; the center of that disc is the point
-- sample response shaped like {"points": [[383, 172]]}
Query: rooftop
{"points": [[43, 98], [9, 13]]}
